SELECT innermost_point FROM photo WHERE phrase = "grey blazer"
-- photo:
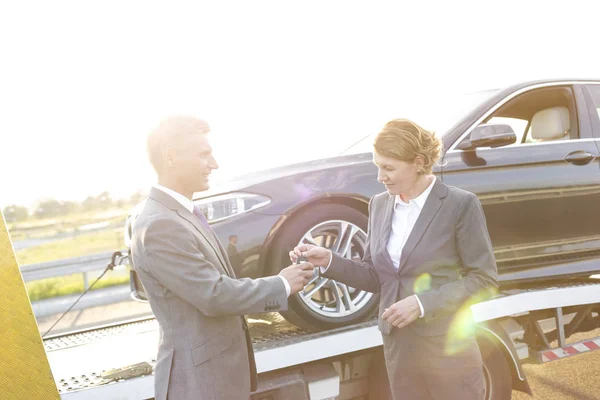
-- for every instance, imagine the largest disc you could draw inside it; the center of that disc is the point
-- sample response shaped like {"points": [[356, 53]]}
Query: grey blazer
{"points": [[205, 350], [447, 259]]}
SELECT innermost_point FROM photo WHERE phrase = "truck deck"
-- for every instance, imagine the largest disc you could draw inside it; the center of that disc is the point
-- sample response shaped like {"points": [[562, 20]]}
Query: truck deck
{"points": [[82, 360], [116, 361]]}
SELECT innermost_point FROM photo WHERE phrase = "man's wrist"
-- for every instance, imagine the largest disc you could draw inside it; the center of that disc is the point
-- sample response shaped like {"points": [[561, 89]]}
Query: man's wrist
{"points": [[288, 288]]}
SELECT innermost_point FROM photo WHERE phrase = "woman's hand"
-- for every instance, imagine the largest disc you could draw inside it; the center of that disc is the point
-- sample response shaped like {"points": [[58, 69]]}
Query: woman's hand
{"points": [[317, 256], [402, 312]]}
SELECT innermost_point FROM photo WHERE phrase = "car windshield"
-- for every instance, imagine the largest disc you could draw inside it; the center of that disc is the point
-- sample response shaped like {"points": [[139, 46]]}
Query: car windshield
{"points": [[438, 115]]}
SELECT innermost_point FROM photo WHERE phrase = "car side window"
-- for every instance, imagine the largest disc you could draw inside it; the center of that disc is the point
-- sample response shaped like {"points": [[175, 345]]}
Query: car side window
{"points": [[528, 137], [539, 115], [595, 93]]}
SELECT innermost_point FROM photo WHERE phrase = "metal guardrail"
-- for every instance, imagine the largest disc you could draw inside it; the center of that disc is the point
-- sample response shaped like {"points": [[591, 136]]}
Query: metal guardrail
{"points": [[67, 266]]}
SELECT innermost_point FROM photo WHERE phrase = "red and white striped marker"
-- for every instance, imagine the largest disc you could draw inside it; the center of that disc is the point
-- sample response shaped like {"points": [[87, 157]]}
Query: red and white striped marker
{"points": [[571, 350]]}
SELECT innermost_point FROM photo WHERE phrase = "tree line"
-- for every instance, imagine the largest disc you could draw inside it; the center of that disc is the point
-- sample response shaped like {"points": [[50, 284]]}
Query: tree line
{"points": [[51, 208]]}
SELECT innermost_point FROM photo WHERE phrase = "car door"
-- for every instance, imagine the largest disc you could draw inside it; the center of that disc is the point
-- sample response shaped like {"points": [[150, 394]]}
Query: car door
{"points": [[592, 96], [540, 198]]}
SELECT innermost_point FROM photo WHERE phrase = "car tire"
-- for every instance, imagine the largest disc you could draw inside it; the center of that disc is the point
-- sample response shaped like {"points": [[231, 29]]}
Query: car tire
{"points": [[496, 370], [299, 312]]}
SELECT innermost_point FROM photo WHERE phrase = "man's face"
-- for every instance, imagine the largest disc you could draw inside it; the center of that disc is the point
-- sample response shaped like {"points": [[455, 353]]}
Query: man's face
{"points": [[193, 162]]}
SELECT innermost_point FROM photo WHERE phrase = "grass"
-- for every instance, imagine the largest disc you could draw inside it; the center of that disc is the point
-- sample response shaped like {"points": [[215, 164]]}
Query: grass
{"points": [[70, 284], [47, 227], [80, 218], [80, 245]]}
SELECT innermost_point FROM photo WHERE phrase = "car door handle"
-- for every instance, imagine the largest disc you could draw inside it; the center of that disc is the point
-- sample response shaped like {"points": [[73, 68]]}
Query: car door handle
{"points": [[579, 157]]}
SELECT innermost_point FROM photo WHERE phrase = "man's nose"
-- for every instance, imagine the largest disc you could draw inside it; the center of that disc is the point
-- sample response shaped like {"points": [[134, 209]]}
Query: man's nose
{"points": [[380, 177], [213, 163]]}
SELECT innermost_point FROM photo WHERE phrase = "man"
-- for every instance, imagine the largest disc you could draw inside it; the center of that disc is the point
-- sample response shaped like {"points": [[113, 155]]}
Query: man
{"points": [[205, 350]]}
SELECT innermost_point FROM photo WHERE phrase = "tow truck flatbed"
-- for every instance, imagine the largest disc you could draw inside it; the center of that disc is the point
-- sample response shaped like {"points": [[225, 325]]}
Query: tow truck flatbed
{"points": [[82, 361], [277, 345]]}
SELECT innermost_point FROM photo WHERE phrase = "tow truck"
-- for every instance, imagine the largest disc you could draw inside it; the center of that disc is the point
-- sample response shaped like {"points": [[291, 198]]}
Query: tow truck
{"points": [[526, 324]]}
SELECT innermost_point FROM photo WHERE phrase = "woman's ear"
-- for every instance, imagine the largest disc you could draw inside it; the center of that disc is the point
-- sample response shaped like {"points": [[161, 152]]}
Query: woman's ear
{"points": [[419, 164]]}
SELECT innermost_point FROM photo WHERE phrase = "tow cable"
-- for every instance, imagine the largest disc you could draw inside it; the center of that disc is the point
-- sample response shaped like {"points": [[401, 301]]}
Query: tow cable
{"points": [[115, 260]]}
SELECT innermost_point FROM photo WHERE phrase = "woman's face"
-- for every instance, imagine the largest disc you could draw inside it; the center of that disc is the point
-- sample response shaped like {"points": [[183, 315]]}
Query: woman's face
{"points": [[397, 176]]}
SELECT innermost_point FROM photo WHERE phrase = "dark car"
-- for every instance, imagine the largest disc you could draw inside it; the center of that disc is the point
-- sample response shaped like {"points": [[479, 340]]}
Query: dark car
{"points": [[529, 152]]}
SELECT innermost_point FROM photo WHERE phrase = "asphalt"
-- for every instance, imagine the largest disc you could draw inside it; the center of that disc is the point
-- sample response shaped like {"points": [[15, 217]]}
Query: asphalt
{"points": [[107, 311]]}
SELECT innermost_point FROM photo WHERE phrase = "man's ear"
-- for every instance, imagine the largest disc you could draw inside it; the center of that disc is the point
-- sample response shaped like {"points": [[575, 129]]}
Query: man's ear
{"points": [[169, 157]]}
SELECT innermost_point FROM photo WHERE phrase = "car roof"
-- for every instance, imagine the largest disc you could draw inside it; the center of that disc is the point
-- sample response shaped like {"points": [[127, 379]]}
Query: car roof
{"points": [[556, 80]]}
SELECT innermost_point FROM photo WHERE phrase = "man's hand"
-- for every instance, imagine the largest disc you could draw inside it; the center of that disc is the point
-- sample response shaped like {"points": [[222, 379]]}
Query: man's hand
{"points": [[403, 312], [298, 275], [316, 255]]}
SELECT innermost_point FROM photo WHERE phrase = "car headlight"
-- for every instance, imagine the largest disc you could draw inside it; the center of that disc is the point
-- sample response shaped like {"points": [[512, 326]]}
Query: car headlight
{"points": [[221, 207]]}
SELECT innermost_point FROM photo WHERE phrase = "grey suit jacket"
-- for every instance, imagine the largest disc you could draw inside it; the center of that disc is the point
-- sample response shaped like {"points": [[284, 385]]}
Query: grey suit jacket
{"points": [[205, 350], [447, 260]]}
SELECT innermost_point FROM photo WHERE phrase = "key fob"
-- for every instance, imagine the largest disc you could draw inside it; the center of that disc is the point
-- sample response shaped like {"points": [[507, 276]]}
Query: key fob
{"points": [[301, 259]]}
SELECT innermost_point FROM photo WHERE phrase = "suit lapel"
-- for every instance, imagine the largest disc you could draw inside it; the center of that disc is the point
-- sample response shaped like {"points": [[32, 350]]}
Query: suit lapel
{"points": [[430, 209], [173, 204], [386, 230], [208, 236]]}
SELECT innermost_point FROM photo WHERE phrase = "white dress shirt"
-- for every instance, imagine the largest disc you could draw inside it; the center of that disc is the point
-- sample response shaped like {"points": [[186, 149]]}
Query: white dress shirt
{"points": [[189, 205], [181, 199], [404, 217], [403, 221]]}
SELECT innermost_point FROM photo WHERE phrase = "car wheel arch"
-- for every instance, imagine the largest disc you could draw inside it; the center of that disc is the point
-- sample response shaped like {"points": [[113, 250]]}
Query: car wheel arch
{"points": [[358, 203]]}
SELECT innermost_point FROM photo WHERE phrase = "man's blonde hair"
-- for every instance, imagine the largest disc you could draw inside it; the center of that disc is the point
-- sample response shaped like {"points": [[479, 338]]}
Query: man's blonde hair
{"points": [[168, 133], [404, 140]]}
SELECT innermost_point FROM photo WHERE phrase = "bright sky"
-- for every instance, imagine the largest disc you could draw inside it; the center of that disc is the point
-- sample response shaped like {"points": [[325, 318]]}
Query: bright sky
{"points": [[82, 84]]}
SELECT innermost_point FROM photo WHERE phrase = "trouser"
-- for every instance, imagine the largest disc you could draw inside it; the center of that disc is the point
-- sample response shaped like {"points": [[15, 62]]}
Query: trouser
{"points": [[433, 367]]}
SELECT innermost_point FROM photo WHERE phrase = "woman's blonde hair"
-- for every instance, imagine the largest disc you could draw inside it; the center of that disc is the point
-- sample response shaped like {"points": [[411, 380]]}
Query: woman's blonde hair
{"points": [[404, 140]]}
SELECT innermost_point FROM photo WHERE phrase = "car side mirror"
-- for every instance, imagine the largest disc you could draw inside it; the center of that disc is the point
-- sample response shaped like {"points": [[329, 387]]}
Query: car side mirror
{"points": [[489, 135]]}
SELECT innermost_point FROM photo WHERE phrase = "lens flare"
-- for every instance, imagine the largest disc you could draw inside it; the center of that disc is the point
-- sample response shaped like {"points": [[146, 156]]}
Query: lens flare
{"points": [[422, 284], [462, 327]]}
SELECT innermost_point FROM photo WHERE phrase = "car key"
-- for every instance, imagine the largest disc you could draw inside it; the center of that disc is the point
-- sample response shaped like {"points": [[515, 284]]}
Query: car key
{"points": [[301, 259]]}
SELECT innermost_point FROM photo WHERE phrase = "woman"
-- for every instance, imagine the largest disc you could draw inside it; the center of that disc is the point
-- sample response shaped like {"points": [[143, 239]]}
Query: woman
{"points": [[429, 256]]}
